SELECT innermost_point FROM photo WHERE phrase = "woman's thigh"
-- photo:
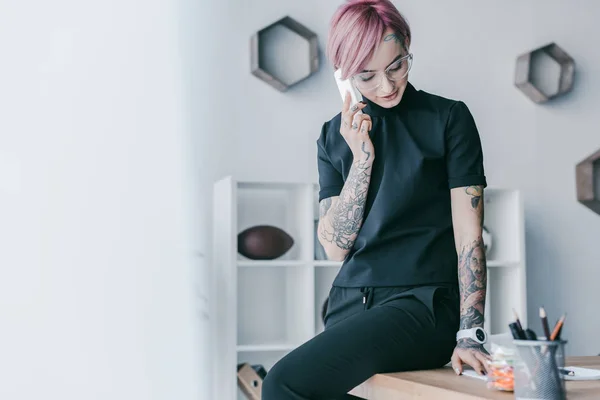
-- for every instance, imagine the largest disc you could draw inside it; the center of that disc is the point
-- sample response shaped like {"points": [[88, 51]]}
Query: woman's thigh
{"points": [[343, 303], [381, 339]]}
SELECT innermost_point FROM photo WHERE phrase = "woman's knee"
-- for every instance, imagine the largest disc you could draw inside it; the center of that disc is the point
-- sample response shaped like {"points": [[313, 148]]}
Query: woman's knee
{"points": [[275, 386]]}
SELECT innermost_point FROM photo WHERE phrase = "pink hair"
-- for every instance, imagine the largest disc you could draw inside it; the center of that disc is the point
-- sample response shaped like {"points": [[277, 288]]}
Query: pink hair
{"points": [[356, 31]]}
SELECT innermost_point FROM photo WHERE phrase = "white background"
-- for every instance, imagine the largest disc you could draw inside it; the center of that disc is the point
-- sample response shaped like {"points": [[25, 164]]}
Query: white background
{"points": [[99, 238]]}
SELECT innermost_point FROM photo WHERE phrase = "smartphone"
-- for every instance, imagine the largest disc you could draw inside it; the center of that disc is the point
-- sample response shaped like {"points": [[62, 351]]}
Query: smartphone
{"points": [[347, 86]]}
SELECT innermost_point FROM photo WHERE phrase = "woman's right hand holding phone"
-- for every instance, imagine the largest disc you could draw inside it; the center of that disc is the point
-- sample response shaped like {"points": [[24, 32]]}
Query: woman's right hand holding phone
{"points": [[355, 128]]}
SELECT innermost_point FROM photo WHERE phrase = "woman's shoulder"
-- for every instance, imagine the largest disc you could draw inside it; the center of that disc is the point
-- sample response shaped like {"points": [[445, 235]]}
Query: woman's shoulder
{"points": [[333, 122], [453, 112], [329, 129], [437, 102]]}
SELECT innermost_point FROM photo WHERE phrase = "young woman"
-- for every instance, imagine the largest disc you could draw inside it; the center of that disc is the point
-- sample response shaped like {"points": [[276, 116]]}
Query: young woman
{"points": [[401, 201]]}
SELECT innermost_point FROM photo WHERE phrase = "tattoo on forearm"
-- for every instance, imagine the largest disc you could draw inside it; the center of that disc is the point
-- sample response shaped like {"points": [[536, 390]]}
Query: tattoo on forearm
{"points": [[324, 206], [471, 344], [365, 151], [347, 215], [472, 272]]}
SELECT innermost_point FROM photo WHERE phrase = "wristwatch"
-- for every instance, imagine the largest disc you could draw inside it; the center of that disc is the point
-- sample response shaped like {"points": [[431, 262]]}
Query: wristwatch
{"points": [[477, 334]]}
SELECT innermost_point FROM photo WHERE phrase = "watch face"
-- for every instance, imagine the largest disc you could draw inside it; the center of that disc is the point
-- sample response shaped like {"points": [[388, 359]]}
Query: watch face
{"points": [[480, 334]]}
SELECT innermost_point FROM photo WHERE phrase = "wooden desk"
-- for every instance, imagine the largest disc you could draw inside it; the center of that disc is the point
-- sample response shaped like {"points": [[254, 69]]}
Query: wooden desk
{"points": [[444, 384]]}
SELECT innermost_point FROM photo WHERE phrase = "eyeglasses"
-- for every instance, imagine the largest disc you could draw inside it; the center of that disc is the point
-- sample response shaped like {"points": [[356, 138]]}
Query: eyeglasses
{"points": [[369, 81]]}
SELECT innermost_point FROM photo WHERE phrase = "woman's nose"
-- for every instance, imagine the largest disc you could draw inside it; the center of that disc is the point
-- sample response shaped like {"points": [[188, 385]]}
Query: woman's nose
{"points": [[387, 86]]}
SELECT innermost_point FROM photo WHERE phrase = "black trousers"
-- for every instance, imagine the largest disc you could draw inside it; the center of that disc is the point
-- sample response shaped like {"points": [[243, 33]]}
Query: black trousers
{"points": [[368, 331]]}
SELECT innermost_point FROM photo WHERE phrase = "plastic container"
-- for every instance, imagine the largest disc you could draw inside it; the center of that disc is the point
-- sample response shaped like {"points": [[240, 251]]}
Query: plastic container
{"points": [[501, 365], [501, 377], [537, 368]]}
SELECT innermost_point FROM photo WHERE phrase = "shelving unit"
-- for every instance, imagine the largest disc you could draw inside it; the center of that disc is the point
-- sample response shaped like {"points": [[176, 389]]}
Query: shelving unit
{"points": [[264, 309]]}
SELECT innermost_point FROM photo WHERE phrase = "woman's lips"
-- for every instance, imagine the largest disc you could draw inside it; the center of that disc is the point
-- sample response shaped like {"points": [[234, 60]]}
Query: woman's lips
{"points": [[391, 96]]}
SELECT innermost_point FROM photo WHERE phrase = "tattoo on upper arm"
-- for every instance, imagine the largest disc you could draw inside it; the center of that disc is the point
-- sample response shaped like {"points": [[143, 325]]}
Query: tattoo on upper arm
{"points": [[346, 217], [472, 272], [324, 206], [476, 193]]}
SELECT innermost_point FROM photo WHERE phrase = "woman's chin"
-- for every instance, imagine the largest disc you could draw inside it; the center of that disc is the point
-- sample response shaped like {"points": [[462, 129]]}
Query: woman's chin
{"points": [[391, 100]]}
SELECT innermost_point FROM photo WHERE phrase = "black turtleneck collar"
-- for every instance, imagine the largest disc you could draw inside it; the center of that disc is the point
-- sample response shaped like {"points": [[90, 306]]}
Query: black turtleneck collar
{"points": [[374, 109]]}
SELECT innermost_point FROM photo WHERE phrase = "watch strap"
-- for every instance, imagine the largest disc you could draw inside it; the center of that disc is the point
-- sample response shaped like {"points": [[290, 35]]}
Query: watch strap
{"points": [[464, 333], [471, 334]]}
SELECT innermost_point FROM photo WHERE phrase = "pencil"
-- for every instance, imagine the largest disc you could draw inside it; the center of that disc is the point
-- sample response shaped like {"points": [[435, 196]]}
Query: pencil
{"points": [[544, 319], [558, 327], [559, 331]]}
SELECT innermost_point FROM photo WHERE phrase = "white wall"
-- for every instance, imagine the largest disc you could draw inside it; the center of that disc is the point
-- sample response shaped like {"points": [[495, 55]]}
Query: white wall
{"points": [[97, 226], [206, 61], [463, 49]]}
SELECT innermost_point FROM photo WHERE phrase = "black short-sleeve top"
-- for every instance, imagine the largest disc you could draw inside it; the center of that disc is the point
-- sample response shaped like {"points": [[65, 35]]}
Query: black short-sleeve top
{"points": [[424, 147]]}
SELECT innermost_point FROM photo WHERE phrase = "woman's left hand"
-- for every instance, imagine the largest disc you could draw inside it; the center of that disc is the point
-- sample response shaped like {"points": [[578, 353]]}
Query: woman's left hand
{"points": [[470, 352]]}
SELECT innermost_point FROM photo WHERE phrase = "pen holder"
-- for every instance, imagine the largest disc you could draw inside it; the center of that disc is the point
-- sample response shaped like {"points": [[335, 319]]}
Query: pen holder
{"points": [[537, 370]]}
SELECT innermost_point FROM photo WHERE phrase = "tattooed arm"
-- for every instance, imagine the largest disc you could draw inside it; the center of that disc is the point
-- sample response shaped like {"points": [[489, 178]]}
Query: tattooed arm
{"points": [[341, 216], [467, 216], [467, 204]]}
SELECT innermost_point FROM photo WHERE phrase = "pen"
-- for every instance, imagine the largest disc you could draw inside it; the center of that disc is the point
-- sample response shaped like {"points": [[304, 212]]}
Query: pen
{"points": [[517, 319], [516, 333], [530, 335], [566, 372], [544, 319]]}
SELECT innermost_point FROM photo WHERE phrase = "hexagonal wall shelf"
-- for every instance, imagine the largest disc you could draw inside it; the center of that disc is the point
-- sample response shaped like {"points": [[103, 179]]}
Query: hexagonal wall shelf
{"points": [[588, 182], [284, 53], [545, 73]]}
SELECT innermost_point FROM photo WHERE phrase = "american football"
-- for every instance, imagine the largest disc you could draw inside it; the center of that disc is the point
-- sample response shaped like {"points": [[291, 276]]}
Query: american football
{"points": [[264, 242]]}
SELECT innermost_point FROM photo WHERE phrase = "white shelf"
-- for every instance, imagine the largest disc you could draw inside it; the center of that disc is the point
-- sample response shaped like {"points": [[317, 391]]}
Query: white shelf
{"points": [[266, 347], [500, 263], [323, 279], [490, 263], [503, 218], [265, 358], [272, 263], [328, 264], [504, 294], [286, 206], [263, 309], [272, 306]]}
